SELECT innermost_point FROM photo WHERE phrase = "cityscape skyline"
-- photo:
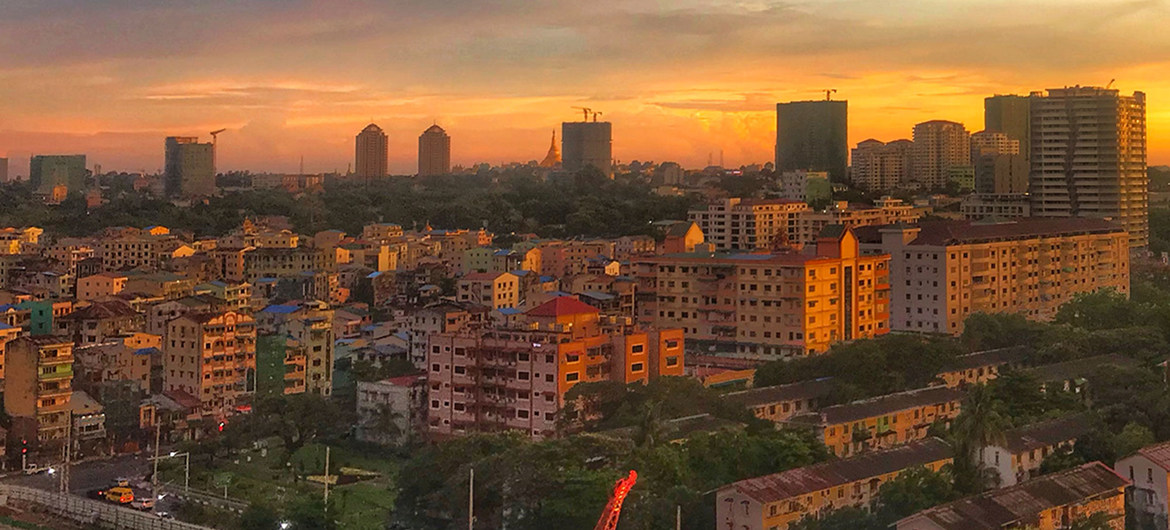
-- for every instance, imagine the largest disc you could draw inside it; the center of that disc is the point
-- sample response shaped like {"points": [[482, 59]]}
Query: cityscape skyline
{"points": [[500, 89]]}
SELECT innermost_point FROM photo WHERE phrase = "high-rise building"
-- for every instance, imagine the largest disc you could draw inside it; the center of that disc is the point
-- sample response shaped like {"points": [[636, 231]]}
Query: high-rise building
{"points": [[434, 152], [736, 224], [587, 144], [938, 146], [812, 135], [46, 172], [999, 166], [212, 356], [3, 170], [190, 167], [38, 386], [1089, 157], [370, 153], [880, 166], [1010, 115]]}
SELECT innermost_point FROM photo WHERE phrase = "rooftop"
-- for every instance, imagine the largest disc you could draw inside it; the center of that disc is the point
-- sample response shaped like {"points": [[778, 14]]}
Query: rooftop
{"points": [[1021, 504], [826, 475], [1046, 433], [953, 232], [1159, 454], [1081, 368], [772, 394], [562, 306], [994, 357], [881, 405]]}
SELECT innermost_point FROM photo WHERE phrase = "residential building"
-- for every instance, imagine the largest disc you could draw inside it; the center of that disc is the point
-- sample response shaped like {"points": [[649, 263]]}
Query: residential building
{"points": [[101, 286], [212, 356], [443, 317], [1018, 456], [190, 167], [773, 502], [1012, 116], [7, 334], [682, 236], [879, 166], [806, 186], [99, 321], [496, 290], [89, 420], [585, 144], [48, 171], [38, 384], [749, 224], [782, 402], [1089, 157], [139, 250], [1051, 502], [978, 206], [309, 350], [982, 366], [1148, 471], [811, 135], [938, 146], [883, 421], [165, 285], [944, 271], [390, 411], [769, 306], [434, 152], [516, 376], [810, 223], [1000, 167], [128, 357], [370, 153], [286, 262]]}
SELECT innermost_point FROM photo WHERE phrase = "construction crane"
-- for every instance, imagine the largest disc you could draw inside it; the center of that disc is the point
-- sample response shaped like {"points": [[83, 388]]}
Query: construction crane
{"points": [[595, 115], [829, 93], [215, 135], [586, 111], [613, 509], [1110, 85]]}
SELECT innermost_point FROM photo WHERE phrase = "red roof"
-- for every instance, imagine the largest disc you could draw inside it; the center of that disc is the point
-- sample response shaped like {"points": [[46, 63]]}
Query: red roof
{"points": [[1158, 454], [561, 306]]}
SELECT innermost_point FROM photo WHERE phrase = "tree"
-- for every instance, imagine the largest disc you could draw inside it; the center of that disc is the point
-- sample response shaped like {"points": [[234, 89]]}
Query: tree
{"points": [[259, 517], [979, 424], [383, 423], [299, 419], [846, 518], [312, 514], [914, 490]]}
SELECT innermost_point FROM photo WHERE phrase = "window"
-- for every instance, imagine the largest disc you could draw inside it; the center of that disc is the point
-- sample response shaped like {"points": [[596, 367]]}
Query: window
{"points": [[636, 367], [672, 361], [637, 348], [435, 367], [572, 376], [523, 376]]}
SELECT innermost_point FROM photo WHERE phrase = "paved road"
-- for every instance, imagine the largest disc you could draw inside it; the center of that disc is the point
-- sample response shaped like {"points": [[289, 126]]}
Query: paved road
{"points": [[89, 475]]}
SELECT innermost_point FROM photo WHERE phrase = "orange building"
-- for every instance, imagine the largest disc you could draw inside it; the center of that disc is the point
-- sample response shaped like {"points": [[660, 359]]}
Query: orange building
{"points": [[101, 286], [516, 377], [212, 356], [882, 421]]}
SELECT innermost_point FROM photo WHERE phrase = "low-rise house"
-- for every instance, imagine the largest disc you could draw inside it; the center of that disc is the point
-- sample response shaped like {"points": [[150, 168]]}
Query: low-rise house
{"points": [[392, 410], [1149, 472], [1023, 449], [982, 366], [496, 290], [773, 502], [882, 421], [89, 419], [99, 321], [1050, 502], [781, 402], [1071, 376], [100, 286]]}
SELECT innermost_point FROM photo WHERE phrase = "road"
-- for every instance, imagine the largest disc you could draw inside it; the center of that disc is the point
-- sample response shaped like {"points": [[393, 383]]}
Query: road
{"points": [[96, 474]]}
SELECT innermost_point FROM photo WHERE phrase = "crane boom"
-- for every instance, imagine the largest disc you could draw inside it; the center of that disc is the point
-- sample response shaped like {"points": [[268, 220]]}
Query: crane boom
{"points": [[613, 509]]}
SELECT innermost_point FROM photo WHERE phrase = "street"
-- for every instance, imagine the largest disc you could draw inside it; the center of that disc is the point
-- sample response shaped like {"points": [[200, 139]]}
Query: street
{"points": [[95, 474]]}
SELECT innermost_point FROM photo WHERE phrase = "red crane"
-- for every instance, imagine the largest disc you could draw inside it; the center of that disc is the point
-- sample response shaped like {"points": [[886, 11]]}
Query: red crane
{"points": [[613, 509]]}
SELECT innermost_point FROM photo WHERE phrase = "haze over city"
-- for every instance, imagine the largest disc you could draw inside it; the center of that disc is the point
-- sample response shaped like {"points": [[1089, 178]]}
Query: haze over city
{"points": [[680, 82]]}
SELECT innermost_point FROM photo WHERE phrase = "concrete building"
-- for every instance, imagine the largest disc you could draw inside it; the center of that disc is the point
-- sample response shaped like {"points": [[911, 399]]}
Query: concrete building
{"points": [[38, 384], [781, 402], [515, 377], [769, 306], [497, 290], [48, 171], [944, 271], [126, 357], [434, 152], [370, 153], [212, 356], [3, 170], [1149, 495], [881, 422], [1089, 157], [938, 146], [879, 166], [308, 351], [100, 321], [810, 223], [190, 167], [1012, 116], [812, 135], [979, 367], [1018, 456], [1000, 168], [1051, 502], [807, 186], [773, 502], [101, 286], [586, 144], [979, 206], [748, 224], [392, 410]]}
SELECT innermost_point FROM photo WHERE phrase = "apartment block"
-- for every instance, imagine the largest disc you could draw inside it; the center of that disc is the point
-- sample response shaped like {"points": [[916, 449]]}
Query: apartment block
{"points": [[1018, 456], [308, 350], [881, 422], [286, 262], [38, 385], [769, 306], [773, 502], [944, 271], [124, 358], [212, 357], [1148, 470], [101, 286], [516, 377], [938, 146], [779, 403], [982, 366], [879, 166], [134, 249], [496, 290], [749, 224]]}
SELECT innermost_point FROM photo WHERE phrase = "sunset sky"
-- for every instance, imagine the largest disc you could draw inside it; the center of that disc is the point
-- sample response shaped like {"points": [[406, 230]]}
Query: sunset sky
{"points": [[679, 79]]}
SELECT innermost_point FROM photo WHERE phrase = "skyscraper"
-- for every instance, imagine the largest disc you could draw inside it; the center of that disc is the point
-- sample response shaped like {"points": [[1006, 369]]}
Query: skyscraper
{"points": [[1010, 115], [190, 167], [1089, 157], [880, 166], [48, 171], [370, 153], [938, 146], [434, 152], [812, 135], [587, 144], [999, 166]]}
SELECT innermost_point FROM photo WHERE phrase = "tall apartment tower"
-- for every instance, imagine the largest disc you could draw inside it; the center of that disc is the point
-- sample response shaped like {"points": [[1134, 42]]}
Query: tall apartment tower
{"points": [[190, 167], [938, 146], [1000, 168], [586, 144], [434, 152], [813, 135], [370, 153], [48, 171], [212, 356], [1010, 115], [1089, 157], [880, 166], [38, 388]]}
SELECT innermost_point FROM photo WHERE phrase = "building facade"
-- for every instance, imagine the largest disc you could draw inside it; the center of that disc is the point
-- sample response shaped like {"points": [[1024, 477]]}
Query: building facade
{"points": [[38, 385], [879, 166], [434, 152], [190, 167], [938, 146], [370, 153], [212, 357], [812, 135], [586, 144]]}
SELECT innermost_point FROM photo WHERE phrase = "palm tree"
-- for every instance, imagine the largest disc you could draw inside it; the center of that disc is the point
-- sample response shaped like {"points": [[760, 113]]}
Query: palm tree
{"points": [[979, 425], [650, 426], [382, 423]]}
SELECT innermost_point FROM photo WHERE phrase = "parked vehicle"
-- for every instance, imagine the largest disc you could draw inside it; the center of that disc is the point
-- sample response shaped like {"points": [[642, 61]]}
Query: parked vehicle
{"points": [[142, 503], [97, 494], [120, 495]]}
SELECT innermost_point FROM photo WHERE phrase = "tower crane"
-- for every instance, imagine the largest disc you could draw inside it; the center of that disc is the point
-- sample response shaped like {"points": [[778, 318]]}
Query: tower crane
{"points": [[829, 93], [613, 509], [585, 111], [595, 115], [215, 135]]}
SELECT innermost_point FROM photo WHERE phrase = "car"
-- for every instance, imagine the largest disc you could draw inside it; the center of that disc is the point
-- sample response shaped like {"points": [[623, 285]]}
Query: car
{"points": [[120, 495], [164, 515], [142, 503], [122, 482]]}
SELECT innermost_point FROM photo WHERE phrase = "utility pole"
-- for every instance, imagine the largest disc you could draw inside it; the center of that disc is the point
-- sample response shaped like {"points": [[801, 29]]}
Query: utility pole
{"points": [[678, 517], [471, 500], [157, 437], [326, 479]]}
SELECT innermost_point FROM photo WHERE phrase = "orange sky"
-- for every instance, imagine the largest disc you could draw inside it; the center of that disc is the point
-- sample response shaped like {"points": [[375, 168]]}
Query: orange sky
{"points": [[680, 80]]}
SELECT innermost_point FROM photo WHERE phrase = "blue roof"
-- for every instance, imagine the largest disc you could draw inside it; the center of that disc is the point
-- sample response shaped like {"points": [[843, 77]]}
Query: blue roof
{"points": [[280, 309], [217, 283], [558, 294], [369, 327], [6, 307], [547, 278], [510, 311], [402, 334], [521, 272], [6, 326], [373, 275], [598, 295], [146, 351], [501, 252], [267, 280]]}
